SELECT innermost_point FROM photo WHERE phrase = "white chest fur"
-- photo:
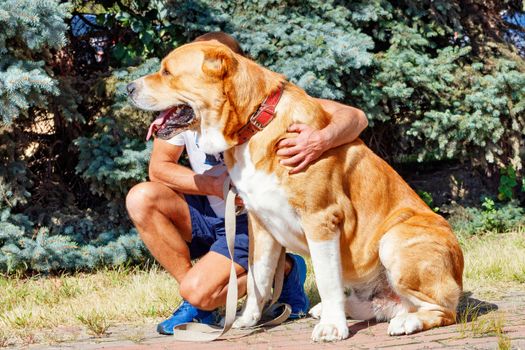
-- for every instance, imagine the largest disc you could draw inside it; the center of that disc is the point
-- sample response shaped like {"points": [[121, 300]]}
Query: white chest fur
{"points": [[262, 194]]}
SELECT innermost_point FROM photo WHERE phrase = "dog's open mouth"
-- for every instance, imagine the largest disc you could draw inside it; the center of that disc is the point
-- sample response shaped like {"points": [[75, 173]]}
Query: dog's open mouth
{"points": [[171, 122]]}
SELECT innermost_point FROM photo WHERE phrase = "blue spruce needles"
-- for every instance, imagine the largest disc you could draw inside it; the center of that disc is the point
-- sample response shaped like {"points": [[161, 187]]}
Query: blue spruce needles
{"points": [[38, 25]]}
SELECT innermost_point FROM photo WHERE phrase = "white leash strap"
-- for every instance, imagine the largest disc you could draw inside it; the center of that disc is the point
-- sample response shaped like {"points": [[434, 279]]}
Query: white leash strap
{"points": [[199, 332]]}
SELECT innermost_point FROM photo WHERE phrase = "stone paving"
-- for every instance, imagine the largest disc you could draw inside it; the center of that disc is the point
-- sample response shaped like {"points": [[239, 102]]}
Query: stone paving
{"points": [[498, 324]]}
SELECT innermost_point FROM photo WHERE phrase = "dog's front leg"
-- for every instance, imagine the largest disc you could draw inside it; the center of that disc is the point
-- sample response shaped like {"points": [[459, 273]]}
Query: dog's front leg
{"points": [[263, 259], [322, 233]]}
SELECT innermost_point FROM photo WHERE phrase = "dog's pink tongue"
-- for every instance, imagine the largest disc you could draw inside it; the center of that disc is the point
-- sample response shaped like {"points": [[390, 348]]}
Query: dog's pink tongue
{"points": [[158, 123]]}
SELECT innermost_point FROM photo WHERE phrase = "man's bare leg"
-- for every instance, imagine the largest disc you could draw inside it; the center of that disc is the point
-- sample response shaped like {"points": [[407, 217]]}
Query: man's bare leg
{"points": [[162, 218], [206, 284]]}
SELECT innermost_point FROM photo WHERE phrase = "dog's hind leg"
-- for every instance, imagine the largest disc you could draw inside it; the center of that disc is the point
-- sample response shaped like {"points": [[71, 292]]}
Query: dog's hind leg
{"points": [[424, 265], [322, 233], [263, 259]]}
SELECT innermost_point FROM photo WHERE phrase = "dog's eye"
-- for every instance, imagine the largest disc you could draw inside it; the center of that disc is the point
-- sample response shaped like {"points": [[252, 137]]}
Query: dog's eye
{"points": [[165, 72]]}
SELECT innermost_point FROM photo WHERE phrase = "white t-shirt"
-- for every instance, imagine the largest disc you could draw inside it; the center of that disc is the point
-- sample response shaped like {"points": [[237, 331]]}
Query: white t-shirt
{"points": [[201, 162]]}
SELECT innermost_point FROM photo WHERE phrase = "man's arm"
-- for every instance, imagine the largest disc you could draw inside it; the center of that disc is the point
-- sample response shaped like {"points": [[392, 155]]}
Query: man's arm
{"points": [[163, 168], [346, 125]]}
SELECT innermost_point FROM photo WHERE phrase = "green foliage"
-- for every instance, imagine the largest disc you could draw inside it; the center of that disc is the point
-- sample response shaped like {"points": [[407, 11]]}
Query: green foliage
{"points": [[14, 182], [316, 44], [35, 26], [436, 79], [115, 156], [41, 227], [507, 183], [109, 163], [36, 23], [473, 118], [148, 30], [427, 198], [44, 252], [409, 65], [490, 218]]}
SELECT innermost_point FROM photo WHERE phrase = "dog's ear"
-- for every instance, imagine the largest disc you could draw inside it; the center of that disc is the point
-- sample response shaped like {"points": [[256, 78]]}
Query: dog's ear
{"points": [[219, 62]]}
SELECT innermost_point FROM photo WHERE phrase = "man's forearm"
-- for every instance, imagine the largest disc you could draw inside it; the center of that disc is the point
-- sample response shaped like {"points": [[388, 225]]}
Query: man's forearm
{"points": [[346, 126], [185, 180]]}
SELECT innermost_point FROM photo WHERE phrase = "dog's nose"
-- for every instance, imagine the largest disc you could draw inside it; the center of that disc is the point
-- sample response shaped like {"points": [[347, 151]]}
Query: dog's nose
{"points": [[130, 88]]}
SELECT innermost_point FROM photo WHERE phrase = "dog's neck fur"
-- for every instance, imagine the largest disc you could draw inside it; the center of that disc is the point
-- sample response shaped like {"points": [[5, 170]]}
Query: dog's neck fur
{"points": [[245, 92]]}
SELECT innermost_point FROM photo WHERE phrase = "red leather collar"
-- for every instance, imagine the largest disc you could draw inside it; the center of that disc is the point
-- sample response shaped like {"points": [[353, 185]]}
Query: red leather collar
{"points": [[262, 116]]}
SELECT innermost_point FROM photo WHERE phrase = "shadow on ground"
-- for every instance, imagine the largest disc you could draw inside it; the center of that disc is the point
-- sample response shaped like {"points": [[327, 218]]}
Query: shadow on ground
{"points": [[469, 309], [359, 326]]}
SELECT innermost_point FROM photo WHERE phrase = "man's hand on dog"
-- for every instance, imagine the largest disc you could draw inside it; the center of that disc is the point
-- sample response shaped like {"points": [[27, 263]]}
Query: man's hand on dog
{"points": [[303, 149]]}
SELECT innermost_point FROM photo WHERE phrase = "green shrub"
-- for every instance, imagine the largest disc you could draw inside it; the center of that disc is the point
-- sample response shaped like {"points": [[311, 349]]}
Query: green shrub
{"points": [[507, 183], [45, 225], [437, 80], [427, 198], [491, 217]]}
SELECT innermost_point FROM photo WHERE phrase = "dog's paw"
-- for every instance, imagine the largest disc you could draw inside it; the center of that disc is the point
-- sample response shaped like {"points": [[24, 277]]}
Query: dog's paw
{"points": [[315, 311], [246, 320], [330, 331], [405, 324]]}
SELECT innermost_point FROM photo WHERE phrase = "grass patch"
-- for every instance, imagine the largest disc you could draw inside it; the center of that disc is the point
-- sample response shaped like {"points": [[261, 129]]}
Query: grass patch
{"points": [[472, 324], [32, 306], [494, 262], [96, 322], [504, 342], [87, 301]]}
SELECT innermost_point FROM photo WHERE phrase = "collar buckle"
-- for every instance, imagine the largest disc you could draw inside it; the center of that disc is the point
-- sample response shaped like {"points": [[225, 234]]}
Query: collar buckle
{"points": [[262, 116], [254, 119]]}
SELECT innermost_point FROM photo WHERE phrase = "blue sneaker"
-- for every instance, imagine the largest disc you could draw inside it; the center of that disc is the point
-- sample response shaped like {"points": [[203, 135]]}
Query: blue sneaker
{"points": [[187, 313], [293, 289]]}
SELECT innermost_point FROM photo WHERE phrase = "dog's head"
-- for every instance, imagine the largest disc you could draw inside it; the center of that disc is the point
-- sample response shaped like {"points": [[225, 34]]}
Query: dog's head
{"points": [[204, 86]]}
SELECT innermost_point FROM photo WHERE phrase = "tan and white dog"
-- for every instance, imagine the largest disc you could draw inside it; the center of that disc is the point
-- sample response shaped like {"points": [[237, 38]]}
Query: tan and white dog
{"points": [[377, 250]]}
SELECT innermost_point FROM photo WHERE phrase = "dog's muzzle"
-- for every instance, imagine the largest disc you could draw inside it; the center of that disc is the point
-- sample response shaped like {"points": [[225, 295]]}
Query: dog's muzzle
{"points": [[172, 121]]}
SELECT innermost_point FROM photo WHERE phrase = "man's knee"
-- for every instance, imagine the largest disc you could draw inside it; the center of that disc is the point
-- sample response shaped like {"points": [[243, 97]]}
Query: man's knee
{"points": [[141, 199], [195, 292]]}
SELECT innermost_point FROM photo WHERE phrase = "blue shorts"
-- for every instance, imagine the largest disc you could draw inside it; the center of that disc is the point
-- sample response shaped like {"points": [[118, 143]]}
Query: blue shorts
{"points": [[208, 233]]}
